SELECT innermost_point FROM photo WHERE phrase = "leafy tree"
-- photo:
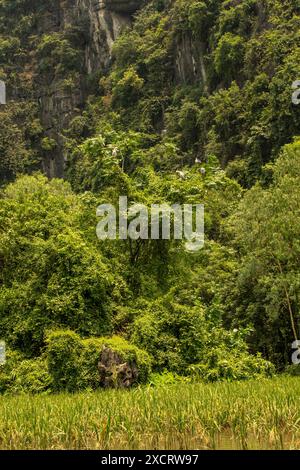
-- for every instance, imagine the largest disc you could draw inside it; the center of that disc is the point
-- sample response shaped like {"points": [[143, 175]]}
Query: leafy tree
{"points": [[229, 56], [51, 275], [266, 233]]}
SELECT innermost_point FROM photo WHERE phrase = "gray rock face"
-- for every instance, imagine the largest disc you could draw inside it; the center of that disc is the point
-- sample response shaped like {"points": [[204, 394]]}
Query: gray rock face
{"points": [[114, 372], [123, 6], [189, 66], [58, 104]]}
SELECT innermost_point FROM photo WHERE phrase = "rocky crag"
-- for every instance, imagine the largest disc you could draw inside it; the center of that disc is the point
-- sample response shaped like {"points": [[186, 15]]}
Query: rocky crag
{"points": [[101, 23]]}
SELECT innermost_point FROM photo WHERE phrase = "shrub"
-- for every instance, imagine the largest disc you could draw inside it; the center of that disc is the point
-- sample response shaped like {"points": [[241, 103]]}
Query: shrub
{"points": [[48, 144], [167, 378], [63, 352], [184, 340], [51, 275], [293, 370], [128, 89], [90, 352], [24, 376], [56, 52], [231, 365], [31, 376], [229, 55], [73, 362]]}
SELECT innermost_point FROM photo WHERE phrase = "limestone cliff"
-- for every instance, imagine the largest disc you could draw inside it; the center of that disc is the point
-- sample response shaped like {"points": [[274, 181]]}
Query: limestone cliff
{"points": [[103, 21], [189, 61]]}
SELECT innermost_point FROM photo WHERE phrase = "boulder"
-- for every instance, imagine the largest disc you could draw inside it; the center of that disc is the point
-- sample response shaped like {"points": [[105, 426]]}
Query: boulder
{"points": [[114, 372]]}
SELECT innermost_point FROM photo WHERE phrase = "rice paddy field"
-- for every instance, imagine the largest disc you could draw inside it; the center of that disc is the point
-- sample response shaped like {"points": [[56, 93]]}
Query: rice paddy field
{"points": [[249, 415]]}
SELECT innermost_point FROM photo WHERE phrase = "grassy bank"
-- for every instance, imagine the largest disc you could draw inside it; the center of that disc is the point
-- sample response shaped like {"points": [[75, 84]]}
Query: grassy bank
{"points": [[255, 415]]}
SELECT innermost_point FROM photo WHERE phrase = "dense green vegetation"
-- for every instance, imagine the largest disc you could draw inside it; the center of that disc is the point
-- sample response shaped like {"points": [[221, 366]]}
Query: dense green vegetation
{"points": [[227, 312], [252, 415]]}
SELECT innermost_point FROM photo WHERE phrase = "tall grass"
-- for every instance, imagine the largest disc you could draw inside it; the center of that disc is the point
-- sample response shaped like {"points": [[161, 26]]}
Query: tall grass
{"points": [[250, 415]]}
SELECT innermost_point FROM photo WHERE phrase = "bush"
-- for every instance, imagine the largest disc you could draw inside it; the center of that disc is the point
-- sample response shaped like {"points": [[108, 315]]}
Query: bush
{"points": [[170, 333], [52, 276], [73, 362], [63, 352], [56, 52], [229, 56], [91, 349], [182, 339], [128, 89], [167, 378], [231, 365], [293, 370], [24, 376], [48, 144]]}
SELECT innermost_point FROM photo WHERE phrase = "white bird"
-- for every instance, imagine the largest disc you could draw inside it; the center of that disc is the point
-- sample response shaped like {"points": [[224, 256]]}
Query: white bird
{"points": [[181, 174], [115, 152]]}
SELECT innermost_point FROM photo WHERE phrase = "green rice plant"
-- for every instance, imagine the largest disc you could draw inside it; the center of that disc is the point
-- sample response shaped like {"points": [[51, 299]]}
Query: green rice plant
{"points": [[258, 414]]}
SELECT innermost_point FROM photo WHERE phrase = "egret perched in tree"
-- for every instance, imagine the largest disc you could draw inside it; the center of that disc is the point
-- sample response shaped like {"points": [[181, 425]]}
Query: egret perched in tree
{"points": [[181, 174]]}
